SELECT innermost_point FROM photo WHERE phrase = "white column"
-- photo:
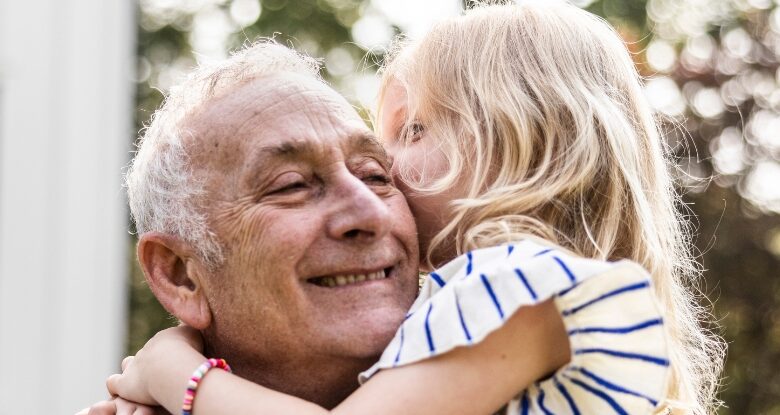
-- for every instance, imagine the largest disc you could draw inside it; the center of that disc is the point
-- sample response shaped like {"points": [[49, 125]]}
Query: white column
{"points": [[65, 129]]}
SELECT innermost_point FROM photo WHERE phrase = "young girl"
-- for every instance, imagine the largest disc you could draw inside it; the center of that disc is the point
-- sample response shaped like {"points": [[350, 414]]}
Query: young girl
{"points": [[537, 178]]}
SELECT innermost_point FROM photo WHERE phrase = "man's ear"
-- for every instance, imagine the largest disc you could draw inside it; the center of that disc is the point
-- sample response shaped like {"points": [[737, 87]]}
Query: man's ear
{"points": [[175, 276]]}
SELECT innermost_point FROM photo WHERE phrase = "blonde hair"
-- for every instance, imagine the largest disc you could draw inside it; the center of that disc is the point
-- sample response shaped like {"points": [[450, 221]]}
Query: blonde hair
{"points": [[542, 108]]}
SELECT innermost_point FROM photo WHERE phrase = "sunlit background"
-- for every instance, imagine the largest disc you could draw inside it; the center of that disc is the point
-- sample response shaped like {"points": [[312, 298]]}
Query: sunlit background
{"points": [[711, 70]]}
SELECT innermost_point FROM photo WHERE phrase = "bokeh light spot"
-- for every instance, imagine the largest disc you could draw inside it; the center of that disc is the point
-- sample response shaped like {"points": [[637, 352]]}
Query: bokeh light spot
{"points": [[210, 30], [661, 56], [764, 127], [664, 96], [733, 93], [761, 186], [760, 4], [417, 23], [364, 88], [339, 62], [728, 151], [698, 53], [707, 103], [372, 31], [245, 12], [143, 70], [738, 42], [774, 20], [773, 241]]}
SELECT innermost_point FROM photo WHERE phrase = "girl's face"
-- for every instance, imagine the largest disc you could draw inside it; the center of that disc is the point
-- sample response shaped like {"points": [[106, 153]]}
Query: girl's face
{"points": [[422, 161]]}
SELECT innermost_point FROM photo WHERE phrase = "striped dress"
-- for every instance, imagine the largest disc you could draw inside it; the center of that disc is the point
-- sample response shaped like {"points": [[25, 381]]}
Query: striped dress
{"points": [[620, 357]]}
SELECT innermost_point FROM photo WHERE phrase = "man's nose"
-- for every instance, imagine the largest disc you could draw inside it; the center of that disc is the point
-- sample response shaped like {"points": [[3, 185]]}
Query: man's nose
{"points": [[360, 214]]}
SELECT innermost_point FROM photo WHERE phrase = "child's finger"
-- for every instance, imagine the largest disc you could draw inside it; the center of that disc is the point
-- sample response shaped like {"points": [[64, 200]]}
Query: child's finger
{"points": [[126, 361], [124, 407], [103, 408], [112, 384]]}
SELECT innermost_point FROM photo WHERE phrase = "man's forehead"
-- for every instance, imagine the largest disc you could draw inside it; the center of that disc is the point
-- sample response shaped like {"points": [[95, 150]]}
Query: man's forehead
{"points": [[276, 118], [281, 104], [269, 95]]}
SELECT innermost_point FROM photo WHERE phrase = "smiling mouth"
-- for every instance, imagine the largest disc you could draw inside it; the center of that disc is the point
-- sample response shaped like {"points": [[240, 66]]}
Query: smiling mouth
{"points": [[332, 281]]}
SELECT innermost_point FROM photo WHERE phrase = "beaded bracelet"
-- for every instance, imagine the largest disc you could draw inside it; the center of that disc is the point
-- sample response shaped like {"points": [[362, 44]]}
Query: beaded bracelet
{"points": [[192, 386]]}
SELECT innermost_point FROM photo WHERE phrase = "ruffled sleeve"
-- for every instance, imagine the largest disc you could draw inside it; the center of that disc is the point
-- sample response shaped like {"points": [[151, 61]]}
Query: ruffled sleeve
{"points": [[620, 359]]}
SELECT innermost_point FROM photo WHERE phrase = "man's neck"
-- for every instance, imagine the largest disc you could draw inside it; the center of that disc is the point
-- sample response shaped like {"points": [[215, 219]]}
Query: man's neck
{"points": [[326, 383]]}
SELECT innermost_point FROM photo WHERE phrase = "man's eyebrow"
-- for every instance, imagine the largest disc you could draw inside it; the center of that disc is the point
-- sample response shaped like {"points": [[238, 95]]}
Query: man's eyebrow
{"points": [[285, 150], [365, 140]]}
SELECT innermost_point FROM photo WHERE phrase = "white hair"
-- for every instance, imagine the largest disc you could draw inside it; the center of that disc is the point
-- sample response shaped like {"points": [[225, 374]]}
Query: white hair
{"points": [[162, 192]]}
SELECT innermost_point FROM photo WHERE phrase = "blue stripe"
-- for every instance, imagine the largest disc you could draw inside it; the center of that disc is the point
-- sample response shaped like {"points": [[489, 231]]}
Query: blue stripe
{"points": [[462, 321], [492, 295], [617, 330], [608, 399], [660, 361], [470, 264], [509, 249], [400, 346], [565, 269], [434, 276], [540, 401], [628, 288], [524, 404], [525, 282], [617, 388], [428, 329], [566, 291], [544, 251], [567, 396]]}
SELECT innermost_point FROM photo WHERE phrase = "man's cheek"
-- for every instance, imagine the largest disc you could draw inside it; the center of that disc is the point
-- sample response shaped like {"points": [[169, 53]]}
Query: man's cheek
{"points": [[250, 233]]}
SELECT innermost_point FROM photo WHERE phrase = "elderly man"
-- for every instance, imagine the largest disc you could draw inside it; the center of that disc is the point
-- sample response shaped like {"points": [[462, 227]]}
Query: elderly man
{"points": [[267, 220]]}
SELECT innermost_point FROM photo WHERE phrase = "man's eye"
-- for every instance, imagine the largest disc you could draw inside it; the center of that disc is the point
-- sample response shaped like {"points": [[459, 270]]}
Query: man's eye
{"points": [[377, 179], [290, 188]]}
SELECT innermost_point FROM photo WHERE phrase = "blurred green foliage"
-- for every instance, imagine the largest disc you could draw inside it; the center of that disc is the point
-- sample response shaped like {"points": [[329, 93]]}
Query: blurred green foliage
{"points": [[733, 51]]}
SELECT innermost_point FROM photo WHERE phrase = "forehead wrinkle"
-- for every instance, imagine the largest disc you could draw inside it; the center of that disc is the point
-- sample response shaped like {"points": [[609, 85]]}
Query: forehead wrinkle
{"points": [[252, 101], [271, 110], [344, 125], [326, 116], [323, 124], [341, 125]]}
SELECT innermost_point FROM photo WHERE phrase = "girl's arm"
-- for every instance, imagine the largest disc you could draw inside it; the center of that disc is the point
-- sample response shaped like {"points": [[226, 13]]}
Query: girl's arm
{"points": [[160, 372], [469, 380]]}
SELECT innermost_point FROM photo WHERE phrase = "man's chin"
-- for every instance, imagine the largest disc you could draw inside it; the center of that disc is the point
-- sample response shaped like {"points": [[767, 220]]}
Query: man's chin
{"points": [[366, 335], [361, 318]]}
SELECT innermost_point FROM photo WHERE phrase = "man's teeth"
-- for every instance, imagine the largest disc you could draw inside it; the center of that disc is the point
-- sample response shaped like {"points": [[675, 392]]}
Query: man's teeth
{"points": [[341, 280]]}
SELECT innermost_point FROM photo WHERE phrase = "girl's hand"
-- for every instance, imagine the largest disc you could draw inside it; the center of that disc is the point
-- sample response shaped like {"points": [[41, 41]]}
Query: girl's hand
{"points": [[159, 372], [119, 406]]}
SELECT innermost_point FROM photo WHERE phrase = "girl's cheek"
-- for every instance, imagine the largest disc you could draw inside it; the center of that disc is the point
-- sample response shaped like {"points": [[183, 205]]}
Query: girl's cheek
{"points": [[400, 169]]}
